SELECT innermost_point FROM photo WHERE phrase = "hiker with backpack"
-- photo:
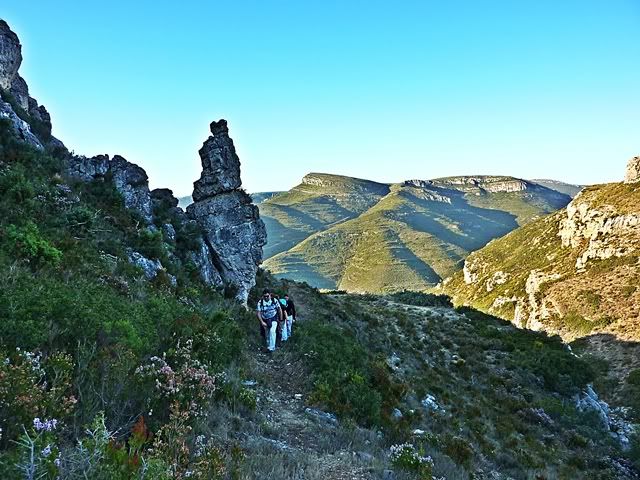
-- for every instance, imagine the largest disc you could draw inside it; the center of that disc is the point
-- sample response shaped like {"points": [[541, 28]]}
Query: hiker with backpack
{"points": [[286, 331], [269, 313], [290, 314]]}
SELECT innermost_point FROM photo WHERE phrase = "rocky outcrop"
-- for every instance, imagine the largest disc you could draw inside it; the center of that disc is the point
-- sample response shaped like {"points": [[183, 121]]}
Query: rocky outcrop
{"points": [[21, 128], [233, 231], [632, 175], [29, 119], [344, 185], [485, 183], [129, 179], [532, 312], [10, 55], [605, 231], [132, 182]]}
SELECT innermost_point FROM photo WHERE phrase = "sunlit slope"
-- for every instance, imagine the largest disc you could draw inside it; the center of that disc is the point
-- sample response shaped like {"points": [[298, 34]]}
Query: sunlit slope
{"points": [[321, 200], [576, 272], [416, 235]]}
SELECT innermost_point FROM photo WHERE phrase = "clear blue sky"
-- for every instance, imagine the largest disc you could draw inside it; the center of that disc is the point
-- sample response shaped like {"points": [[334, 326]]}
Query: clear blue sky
{"points": [[373, 89]]}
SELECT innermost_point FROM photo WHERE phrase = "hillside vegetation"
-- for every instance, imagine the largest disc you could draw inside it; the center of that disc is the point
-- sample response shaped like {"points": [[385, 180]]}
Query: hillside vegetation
{"points": [[320, 201], [416, 234], [575, 273]]}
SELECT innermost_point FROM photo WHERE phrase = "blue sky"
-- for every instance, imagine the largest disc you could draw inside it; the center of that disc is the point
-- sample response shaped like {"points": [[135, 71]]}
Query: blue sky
{"points": [[380, 90]]}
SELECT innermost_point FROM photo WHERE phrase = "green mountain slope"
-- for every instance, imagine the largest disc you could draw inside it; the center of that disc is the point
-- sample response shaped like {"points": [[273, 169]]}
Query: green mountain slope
{"points": [[417, 234], [575, 273], [320, 201]]}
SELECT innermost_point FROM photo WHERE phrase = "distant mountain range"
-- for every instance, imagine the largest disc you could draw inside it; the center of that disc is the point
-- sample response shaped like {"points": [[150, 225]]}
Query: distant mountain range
{"points": [[354, 234]]}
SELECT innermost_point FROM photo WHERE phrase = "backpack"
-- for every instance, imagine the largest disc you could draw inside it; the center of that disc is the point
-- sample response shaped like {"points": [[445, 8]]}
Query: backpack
{"points": [[272, 306]]}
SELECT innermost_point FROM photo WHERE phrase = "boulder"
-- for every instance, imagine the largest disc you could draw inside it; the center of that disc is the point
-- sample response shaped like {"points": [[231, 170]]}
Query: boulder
{"points": [[632, 174], [149, 267]]}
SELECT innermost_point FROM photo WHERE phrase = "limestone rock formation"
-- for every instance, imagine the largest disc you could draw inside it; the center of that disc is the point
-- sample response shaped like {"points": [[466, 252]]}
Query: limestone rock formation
{"points": [[26, 112], [573, 273], [10, 55], [220, 164], [607, 232], [632, 174], [132, 182], [129, 179], [21, 127], [233, 231]]}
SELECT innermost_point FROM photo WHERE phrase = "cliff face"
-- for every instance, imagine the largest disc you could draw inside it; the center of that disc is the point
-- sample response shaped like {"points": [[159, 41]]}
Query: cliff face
{"points": [[233, 231], [30, 120], [223, 229], [575, 272]]}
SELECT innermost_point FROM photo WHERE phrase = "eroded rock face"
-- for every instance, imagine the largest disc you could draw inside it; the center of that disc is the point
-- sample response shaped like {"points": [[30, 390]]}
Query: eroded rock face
{"points": [[129, 179], [606, 232], [632, 175], [233, 231], [22, 128], [132, 182], [13, 84], [10, 55], [220, 164]]}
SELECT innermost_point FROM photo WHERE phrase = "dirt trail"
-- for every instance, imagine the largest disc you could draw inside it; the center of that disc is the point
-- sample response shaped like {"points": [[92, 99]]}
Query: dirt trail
{"points": [[304, 434]]}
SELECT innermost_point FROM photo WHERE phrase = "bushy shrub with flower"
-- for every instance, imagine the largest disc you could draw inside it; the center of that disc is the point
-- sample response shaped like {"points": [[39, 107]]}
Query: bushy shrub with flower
{"points": [[33, 386], [37, 454], [178, 378], [407, 457]]}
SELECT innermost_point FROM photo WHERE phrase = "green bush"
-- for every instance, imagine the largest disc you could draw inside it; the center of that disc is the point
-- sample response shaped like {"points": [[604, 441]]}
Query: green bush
{"points": [[343, 373], [27, 242], [421, 299]]}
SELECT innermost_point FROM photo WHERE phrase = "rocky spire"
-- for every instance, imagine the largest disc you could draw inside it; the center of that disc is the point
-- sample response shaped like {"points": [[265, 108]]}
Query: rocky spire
{"points": [[231, 223], [632, 174]]}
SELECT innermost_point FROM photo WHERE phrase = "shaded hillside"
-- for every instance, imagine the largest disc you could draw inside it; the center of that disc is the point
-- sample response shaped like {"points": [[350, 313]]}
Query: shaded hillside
{"points": [[481, 398], [417, 234], [260, 197], [562, 187]]}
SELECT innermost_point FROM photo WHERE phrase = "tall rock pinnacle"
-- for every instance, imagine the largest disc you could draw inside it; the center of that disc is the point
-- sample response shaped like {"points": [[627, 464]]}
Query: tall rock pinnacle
{"points": [[231, 223]]}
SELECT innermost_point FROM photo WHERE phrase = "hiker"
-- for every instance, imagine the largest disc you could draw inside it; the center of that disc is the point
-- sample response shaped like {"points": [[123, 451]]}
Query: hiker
{"points": [[269, 313], [290, 312], [276, 298], [284, 328]]}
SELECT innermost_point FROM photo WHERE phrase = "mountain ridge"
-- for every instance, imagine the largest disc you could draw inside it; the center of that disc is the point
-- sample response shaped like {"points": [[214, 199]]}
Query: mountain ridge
{"points": [[310, 238]]}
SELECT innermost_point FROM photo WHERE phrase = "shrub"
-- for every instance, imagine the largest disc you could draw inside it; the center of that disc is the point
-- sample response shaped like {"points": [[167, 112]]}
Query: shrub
{"points": [[33, 386], [28, 243], [407, 457], [343, 373], [422, 299]]}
